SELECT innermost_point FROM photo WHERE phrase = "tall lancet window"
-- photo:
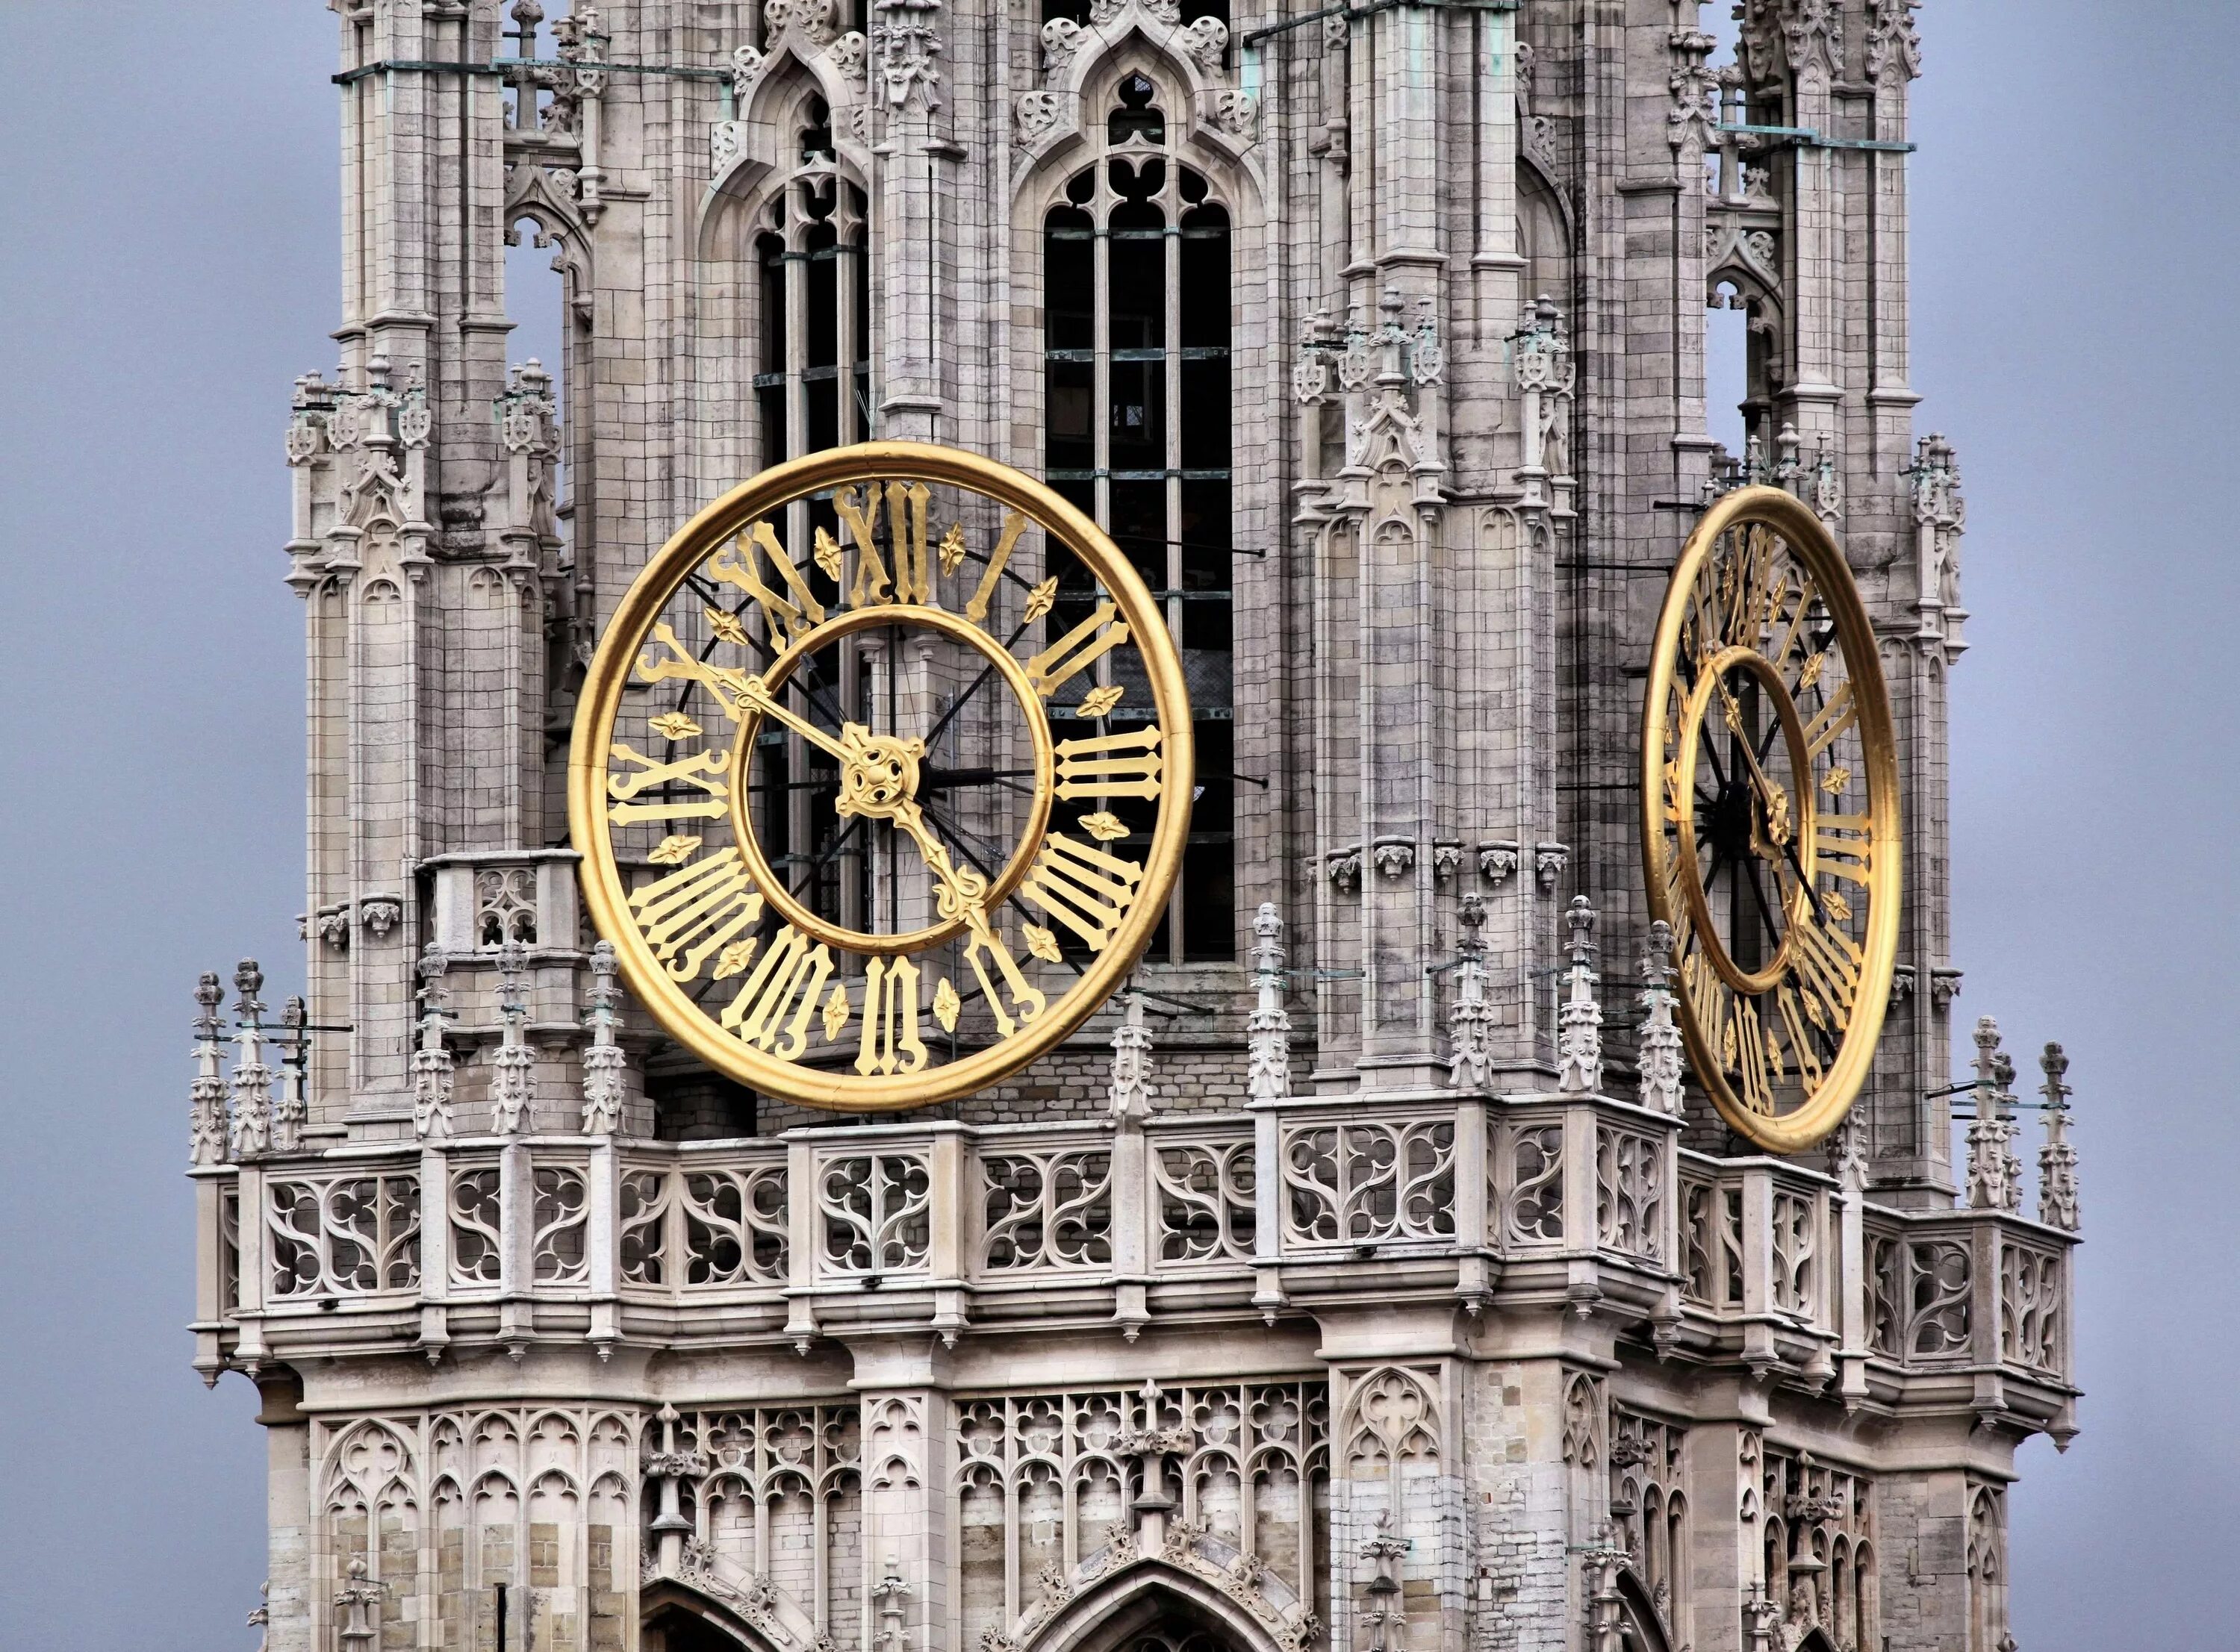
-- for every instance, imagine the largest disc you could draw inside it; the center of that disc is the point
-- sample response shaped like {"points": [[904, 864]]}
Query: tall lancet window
{"points": [[1136, 285], [814, 387], [813, 391]]}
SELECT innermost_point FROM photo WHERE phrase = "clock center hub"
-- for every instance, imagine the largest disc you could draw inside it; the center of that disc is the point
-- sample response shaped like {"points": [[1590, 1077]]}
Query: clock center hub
{"points": [[878, 772]]}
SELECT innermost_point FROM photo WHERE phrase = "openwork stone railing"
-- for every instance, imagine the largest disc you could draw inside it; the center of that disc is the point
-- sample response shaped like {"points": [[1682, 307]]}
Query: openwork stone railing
{"points": [[1581, 1203]]}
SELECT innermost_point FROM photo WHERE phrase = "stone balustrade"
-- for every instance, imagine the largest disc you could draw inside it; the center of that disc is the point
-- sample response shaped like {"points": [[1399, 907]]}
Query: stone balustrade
{"points": [[1582, 1204]]}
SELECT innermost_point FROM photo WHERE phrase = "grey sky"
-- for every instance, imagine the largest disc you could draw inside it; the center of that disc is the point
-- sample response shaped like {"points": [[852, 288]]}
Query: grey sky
{"points": [[167, 266]]}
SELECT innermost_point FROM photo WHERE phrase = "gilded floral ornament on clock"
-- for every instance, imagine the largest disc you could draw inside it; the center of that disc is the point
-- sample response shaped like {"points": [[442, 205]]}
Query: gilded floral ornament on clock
{"points": [[1770, 817], [875, 814]]}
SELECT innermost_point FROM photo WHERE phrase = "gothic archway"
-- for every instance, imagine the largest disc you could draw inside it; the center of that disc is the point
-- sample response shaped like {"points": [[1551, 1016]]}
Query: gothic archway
{"points": [[1645, 1627], [1153, 1609], [678, 1618]]}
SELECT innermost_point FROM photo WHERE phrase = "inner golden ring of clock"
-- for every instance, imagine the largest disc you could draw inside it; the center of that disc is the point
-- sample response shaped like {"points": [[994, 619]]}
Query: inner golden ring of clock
{"points": [[1801, 806], [901, 779]]}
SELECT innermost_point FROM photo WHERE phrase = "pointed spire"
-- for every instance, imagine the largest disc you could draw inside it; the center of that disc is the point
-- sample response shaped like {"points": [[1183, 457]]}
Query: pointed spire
{"points": [[252, 1079], [432, 1062], [1992, 1162], [1659, 1048], [1579, 1032], [602, 1058], [294, 1110], [1267, 1031], [1470, 1021], [2057, 1160], [509, 1083], [206, 1132], [1130, 1090]]}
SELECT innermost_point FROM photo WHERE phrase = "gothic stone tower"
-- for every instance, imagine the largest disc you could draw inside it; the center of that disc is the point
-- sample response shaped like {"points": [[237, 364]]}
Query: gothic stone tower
{"points": [[1309, 1299]]}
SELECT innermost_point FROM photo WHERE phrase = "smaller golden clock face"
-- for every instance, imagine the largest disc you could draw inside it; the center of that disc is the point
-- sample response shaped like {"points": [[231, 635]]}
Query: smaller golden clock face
{"points": [[881, 776], [1770, 817]]}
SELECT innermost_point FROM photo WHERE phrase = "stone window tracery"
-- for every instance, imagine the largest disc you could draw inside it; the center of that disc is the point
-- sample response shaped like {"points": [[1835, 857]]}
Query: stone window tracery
{"points": [[1137, 285]]}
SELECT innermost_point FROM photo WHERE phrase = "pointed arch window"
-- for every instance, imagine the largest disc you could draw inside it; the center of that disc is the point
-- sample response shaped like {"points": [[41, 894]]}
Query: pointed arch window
{"points": [[1137, 428], [814, 387]]}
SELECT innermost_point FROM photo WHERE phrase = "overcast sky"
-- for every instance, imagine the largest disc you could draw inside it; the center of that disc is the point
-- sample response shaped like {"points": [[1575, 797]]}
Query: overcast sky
{"points": [[168, 265]]}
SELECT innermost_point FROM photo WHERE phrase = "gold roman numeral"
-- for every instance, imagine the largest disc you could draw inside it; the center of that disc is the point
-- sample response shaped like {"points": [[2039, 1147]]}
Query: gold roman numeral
{"points": [[912, 580], [1800, 1040], [1843, 846], [1834, 717], [1827, 961], [1806, 595], [688, 917], [1750, 1058], [1706, 992], [735, 565], [700, 769], [774, 1010], [871, 582], [890, 1040], [1109, 765], [1083, 888], [906, 533], [683, 665], [1014, 525], [988, 949], [1078, 650]]}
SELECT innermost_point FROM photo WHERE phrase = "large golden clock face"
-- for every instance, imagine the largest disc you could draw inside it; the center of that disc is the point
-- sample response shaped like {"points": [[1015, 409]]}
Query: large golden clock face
{"points": [[1769, 826], [881, 776]]}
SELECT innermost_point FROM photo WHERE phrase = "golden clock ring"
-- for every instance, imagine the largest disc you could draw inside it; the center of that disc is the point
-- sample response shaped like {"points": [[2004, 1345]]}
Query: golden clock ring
{"points": [[774, 890]]}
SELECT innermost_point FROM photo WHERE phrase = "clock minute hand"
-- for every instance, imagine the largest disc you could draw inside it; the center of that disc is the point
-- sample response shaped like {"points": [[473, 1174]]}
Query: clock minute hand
{"points": [[962, 891]]}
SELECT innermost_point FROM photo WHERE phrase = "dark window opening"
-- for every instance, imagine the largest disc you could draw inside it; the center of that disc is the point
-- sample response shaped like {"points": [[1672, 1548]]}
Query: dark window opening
{"points": [[1138, 116], [1152, 463]]}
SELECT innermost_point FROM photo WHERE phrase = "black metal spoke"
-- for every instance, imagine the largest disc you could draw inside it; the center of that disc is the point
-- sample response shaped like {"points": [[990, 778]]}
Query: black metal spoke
{"points": [[1757, 891], [978, 683]]}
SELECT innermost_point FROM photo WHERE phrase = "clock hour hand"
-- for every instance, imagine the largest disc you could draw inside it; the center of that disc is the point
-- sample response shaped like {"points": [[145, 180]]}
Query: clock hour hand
{"points": [[753, 691], [1774, 796]]}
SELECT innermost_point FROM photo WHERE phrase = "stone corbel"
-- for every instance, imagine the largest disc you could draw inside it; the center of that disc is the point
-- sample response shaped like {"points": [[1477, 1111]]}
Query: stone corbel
{"points": [[333, 923], [1944, 987], [1549, 861], [1344, 869], [1446, 859], [1394, 855], [1497, 861], [380, 914]]}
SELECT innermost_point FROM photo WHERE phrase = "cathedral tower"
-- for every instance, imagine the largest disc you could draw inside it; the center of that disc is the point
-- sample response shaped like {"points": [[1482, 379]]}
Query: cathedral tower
{"points": [[1370, 1275]]}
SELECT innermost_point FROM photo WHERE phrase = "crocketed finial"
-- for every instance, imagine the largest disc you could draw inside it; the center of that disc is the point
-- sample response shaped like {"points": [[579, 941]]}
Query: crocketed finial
{"points": [[1659, 1056], [432, 1061], [1130, 1090], [2057, 1160], [1991, 1161], [602, 1056], [1579, 1032], [1470, 1021], [509, 1082], [252, 1079], [206, 1132], [1268, 1030]]}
